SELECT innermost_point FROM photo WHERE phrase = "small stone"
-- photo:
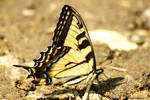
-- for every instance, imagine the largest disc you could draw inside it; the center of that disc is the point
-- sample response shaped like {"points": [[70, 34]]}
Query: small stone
{"points": [[146, 15], [95, 96], [113, 39], [137, 39], [28, 12]]}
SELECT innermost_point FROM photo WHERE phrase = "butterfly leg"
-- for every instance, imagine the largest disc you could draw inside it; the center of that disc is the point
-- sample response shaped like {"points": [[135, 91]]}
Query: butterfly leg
{"points": [[89, 83]]}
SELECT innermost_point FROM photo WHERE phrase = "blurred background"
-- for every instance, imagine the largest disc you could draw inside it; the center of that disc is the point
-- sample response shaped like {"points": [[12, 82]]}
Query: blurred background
{"points": [[27, 26], [121, 26]]}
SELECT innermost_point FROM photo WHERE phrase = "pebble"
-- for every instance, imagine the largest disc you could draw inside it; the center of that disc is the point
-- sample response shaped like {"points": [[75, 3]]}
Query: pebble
{"points": [[113, 39], [28, 12], [146, 15], [95, 96]]}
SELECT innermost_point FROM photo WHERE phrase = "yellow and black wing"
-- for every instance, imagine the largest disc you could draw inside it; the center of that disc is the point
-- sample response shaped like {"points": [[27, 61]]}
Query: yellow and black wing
{"points": [[71, 55], [71, 32]]}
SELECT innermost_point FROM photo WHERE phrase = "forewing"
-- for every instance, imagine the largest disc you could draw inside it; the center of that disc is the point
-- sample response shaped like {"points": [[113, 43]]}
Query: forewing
{"points": [[71, 31]]}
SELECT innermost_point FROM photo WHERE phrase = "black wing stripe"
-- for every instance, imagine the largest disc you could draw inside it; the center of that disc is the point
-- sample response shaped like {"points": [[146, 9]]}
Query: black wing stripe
{"points": [[81, 35], [41, 56], [89, 56], [63, 26], [48, 49], [69, 63], [84, 44]]}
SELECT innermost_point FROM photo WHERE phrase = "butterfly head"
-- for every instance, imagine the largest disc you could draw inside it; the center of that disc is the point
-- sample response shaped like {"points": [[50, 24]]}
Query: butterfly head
{"points": [[38, 73]]}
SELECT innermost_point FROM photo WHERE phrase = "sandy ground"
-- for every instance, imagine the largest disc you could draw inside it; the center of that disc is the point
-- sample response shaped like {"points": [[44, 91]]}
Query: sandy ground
{"points": [[26, 28]]}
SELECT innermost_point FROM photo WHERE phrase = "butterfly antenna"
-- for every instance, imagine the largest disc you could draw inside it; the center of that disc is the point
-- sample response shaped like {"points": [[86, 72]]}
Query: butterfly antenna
{"points": [[29, 69], [25, 67]]}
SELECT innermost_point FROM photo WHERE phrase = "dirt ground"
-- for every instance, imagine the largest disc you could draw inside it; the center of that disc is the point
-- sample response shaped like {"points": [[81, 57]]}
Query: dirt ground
{"points": [[26, 28]]}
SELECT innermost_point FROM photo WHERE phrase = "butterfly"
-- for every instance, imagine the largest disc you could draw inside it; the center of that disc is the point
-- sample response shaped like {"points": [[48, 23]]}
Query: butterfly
{"points": [[70, 59]]}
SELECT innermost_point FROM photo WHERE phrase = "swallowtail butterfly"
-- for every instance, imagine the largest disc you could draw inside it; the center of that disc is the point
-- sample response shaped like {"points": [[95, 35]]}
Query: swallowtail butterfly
{"points": [[70, 59]]}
